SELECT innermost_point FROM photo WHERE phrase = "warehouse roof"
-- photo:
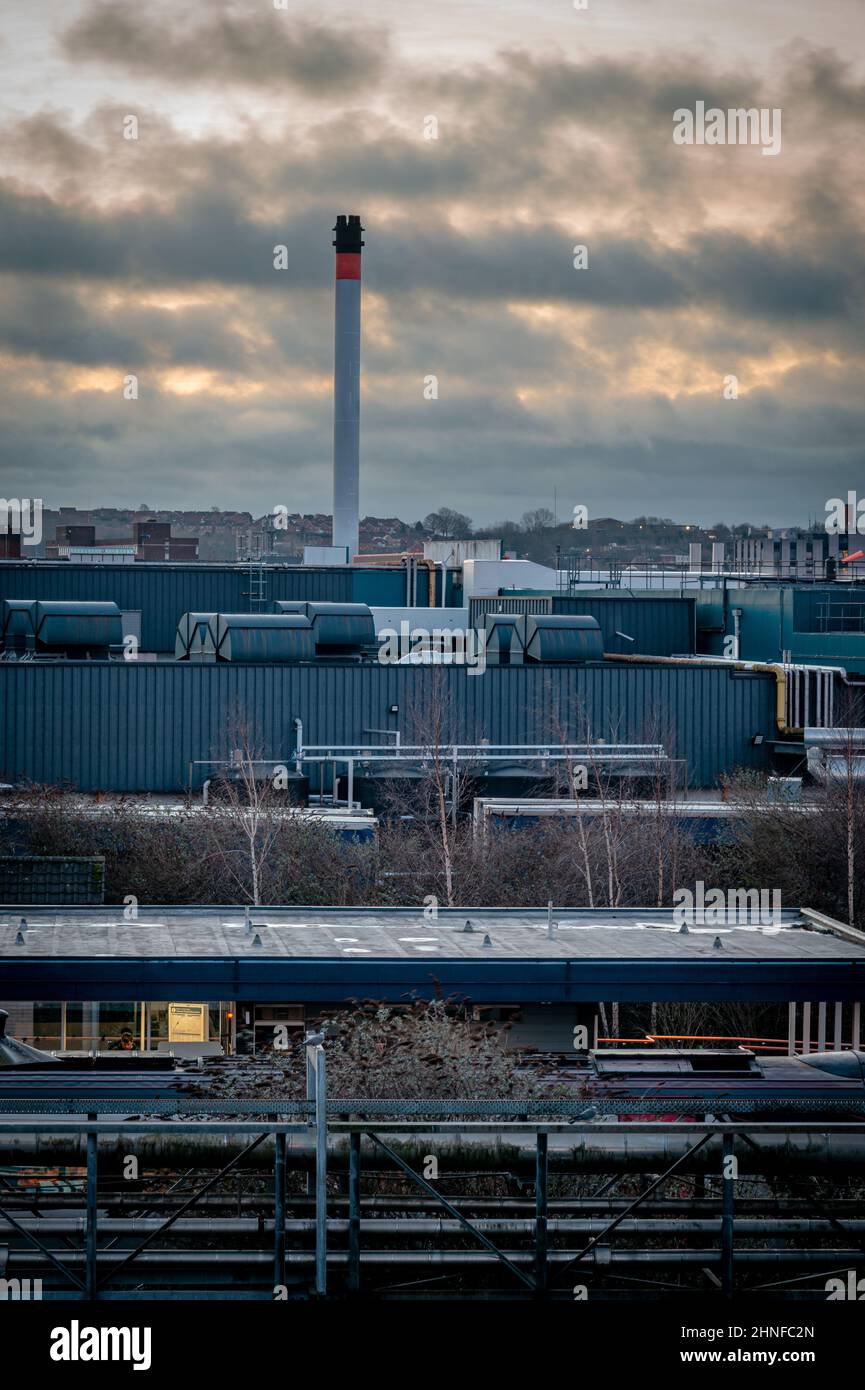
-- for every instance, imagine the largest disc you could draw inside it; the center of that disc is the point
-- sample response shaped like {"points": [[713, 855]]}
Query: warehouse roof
{"points": [[387, 933], [331, 954]]}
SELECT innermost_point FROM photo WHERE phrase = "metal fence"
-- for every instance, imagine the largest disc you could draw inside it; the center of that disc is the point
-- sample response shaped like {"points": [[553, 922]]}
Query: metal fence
{"points": [[85, 1238], [56, 879]]}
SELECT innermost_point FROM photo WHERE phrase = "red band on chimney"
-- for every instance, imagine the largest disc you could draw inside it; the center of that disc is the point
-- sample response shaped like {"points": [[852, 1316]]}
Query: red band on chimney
{"points": [[348, 265]]}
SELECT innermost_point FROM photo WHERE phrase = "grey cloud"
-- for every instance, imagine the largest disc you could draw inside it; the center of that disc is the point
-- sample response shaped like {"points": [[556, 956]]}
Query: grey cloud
{"points": [[210, 237], [457, 230], [261, 47]]}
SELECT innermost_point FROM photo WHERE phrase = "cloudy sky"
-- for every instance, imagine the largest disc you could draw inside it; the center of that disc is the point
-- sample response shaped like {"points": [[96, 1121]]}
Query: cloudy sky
{"points": [[602, 386]]}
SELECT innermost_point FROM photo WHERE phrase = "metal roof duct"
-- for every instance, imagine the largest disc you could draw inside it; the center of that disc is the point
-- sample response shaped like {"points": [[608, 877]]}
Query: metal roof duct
{"points": [[18, 623], [89, 626], [505, 638], [264, 637], [196, 637], [341, 626], [294, 605], [563, 637]]}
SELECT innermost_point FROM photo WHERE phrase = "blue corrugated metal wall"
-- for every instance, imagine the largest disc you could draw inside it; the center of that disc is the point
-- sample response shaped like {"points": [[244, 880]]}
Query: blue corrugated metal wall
{"points": [[163, 593], [661, 624], [127, 727], [785, 617]]}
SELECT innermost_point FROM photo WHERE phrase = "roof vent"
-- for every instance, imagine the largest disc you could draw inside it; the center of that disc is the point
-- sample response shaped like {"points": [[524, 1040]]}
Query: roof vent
{"points": [[468, 927], [717, 944], [683, 930], [487, 939]]}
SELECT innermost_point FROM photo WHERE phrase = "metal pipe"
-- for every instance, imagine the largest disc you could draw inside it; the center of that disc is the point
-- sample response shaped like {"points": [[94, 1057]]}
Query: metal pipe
{"points": [[684, 1208], [422, 1227], [572, 1151], [602, 1259]]}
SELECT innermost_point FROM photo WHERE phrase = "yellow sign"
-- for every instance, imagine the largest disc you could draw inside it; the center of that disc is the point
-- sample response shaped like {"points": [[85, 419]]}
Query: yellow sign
{"points": [[187, 1023]]}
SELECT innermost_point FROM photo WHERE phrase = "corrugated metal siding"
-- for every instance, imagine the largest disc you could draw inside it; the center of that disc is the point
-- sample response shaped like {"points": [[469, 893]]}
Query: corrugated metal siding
{"points": [[127, 727], [784, 618], [662, 625], [506, 603], [164, 592]]}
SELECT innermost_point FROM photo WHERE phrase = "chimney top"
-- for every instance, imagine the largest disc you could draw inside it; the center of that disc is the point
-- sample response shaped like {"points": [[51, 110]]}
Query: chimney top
{"points": [[348, 233]]}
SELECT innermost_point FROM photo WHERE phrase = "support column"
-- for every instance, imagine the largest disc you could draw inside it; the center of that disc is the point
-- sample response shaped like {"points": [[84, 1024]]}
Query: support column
{"points": [[316, 1081], [727, 1181], [279, 1210], [90, 1238], [354, 1213], [541, 1238]]}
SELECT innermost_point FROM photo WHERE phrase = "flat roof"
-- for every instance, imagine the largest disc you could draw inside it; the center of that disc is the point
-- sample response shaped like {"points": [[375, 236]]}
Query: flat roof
{"points": [[320, 953], [400, 933]]}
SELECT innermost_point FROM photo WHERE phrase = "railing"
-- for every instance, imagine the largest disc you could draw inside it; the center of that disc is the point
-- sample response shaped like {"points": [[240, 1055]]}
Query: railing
{"points": [[524, 1135]]}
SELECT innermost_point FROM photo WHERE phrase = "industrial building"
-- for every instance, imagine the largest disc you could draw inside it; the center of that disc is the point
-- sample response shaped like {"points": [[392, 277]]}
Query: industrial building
{"points": [[150, 541], [152, 727], [816, 624], [160, 594], [74, 976], [126, 670]]}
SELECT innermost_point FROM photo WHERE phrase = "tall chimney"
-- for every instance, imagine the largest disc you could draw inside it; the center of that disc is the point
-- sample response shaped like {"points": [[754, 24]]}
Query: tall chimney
{"points": [[346, 386]]}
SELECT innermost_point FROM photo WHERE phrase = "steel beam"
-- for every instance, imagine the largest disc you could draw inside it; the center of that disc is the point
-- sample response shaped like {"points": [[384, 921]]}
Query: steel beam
{"points": [[354, 1210], [278, 1209], [90, 1291], [541, 1174], [466, 1224], [728, 1178]]}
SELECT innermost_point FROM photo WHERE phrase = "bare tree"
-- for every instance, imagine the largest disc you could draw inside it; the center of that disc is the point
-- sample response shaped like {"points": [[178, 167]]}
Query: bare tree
{"points": [[248, 800], [448, 524], [541, 519], [435, 799]]}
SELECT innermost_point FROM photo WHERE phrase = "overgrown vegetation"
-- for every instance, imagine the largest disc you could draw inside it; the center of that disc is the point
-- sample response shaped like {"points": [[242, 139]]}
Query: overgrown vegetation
{"points": [[806, 850], [378, 1051]]}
